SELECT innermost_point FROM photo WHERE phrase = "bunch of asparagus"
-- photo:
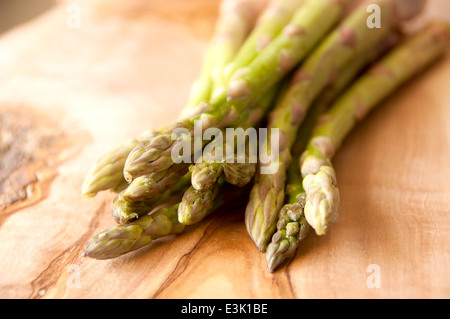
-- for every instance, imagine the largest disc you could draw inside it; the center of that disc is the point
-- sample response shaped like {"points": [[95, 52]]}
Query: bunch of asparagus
{"points": [[312, 69]]}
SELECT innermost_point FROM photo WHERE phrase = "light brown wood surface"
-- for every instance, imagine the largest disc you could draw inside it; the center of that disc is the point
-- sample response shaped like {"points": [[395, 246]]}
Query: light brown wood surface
{"points": [[69, 95]]}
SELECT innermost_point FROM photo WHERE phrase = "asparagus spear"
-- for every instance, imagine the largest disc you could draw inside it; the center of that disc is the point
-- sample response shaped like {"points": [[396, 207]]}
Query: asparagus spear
{"points": [[124, 210], [292, 228], [345, 43], [147, 186], [196, 205], [265, 71], [235, 21], [239, 174], [120, 239], [107, 172], [205, 174], [270, 23], [319, 177]]}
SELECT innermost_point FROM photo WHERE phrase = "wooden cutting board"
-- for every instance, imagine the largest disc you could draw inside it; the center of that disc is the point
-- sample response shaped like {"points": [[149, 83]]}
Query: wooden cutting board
{"points": [[68, 95]]}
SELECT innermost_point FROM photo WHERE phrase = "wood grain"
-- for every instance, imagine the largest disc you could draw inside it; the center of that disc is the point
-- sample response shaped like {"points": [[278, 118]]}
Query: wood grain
{"points": [[129, 68]]}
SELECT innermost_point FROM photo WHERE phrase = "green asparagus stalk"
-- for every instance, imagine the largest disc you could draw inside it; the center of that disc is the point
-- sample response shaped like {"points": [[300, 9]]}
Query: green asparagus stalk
{"points": [[239, 174], [382, 80], [272, 20], [263, 73], [196, 205], [235, 21], [348, 41], [205, 174], [121, 239], [292, 228], [124, 210], [107, 173], [147, 186]]}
